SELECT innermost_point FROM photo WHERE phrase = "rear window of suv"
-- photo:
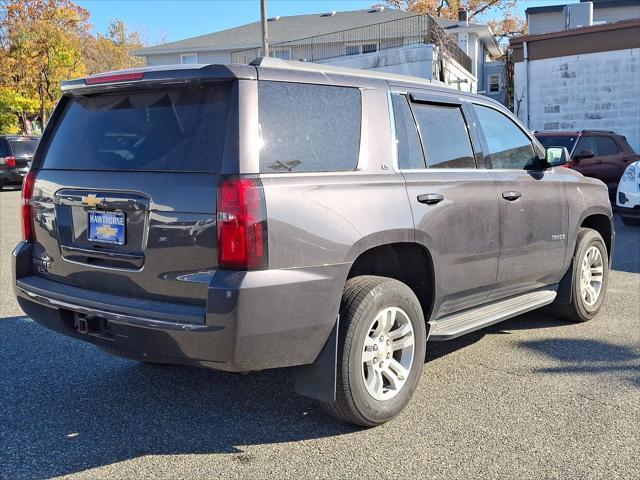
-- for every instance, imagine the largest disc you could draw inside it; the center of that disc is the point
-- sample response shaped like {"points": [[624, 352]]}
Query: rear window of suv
{"points": [[308, 128], [24, 147], [178, 129]]}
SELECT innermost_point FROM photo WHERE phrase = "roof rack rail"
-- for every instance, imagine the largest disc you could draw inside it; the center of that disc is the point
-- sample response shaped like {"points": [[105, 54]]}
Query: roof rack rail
{"points": [[585, 130], [272, 62]]}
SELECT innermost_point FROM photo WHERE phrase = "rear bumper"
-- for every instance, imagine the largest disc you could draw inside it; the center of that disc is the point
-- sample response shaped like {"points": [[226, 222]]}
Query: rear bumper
{"points": [[629, 212], [13, 175], [252, 320]]}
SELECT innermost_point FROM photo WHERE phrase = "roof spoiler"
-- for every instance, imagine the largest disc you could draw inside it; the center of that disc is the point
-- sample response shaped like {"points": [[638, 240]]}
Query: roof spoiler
{"points": [[153, 75]]}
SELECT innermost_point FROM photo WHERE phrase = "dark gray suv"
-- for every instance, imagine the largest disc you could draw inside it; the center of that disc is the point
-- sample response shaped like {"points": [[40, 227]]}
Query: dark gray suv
{"points": [[282, 214]]}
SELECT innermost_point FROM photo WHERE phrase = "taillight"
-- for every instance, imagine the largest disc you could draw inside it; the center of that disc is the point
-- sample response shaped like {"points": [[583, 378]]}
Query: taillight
{"points": [[28, 232], [242, 224], [114, 77], [10, 161]]}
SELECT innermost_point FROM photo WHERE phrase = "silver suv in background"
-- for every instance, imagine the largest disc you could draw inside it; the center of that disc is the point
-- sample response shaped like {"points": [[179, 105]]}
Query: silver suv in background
{"points": [[282, 214]]}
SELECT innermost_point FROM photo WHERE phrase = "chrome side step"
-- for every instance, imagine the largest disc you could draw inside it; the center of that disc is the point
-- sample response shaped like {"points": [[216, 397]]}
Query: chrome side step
{"points": [[457, 324]]}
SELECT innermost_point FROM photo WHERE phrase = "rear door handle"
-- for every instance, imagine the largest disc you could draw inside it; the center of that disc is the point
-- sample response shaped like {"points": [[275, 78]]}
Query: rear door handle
{"points": [[511, 196], [430, 198]]}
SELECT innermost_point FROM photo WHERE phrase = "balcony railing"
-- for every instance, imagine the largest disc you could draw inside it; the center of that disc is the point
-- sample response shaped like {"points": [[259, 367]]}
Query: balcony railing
{"points": [[418, 29]]}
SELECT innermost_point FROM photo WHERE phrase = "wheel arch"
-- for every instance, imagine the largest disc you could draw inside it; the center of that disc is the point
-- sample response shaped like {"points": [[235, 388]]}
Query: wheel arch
{"points": [[602, 224], [407, 262]]}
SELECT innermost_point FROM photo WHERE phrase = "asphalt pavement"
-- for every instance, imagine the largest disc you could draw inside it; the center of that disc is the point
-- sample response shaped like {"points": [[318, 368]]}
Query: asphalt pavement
{"points": [[531, 398]]}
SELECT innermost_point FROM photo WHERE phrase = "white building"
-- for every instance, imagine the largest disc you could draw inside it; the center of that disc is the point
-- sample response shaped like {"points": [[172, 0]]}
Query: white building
{"points": [[581, 78], [379, 38]]}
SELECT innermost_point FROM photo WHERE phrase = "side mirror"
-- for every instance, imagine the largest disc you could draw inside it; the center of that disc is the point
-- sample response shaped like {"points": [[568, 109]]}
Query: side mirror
{"points": [[557, 156], [584, 154]]}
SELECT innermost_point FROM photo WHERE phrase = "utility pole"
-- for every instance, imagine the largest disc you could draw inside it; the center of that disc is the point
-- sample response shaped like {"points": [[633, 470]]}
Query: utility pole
{"points": [[265, 35]]}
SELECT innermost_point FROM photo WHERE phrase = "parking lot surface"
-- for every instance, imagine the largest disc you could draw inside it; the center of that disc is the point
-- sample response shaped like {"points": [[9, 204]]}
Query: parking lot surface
{"points": [[533, 397]]}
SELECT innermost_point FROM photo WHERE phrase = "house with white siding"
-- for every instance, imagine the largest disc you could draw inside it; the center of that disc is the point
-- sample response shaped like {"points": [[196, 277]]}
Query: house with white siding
{"points": [[379, 39]]}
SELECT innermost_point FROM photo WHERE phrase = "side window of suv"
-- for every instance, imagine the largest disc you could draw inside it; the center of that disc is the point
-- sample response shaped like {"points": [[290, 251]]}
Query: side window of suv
{"points": [[409, 150], [606, 146], [308, 128], [509, 147], [587, 144], [445, 138], [4, 151]]}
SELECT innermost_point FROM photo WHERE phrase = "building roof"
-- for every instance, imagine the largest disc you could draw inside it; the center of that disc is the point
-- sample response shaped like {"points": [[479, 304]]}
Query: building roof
{"points": [[597, 4], [297, 27], [576, 41], [283, 29]]}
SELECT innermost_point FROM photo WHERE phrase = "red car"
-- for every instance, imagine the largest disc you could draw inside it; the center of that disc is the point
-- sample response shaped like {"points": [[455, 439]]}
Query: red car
{"points": [[594, 153]]}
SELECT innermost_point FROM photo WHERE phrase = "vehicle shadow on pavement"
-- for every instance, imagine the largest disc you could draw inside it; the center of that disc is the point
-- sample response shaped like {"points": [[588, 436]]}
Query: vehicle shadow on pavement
{"points": [[529, 321], [68, 407], [588, 356]]}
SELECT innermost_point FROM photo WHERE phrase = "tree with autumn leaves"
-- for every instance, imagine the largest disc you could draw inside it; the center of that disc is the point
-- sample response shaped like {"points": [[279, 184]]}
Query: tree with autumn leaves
{"points": [[43, 42], [501, 14]]}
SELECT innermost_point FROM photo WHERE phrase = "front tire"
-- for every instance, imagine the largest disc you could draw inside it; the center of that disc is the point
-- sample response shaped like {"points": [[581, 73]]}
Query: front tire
{"points": [[381, 350], [590, 277]]}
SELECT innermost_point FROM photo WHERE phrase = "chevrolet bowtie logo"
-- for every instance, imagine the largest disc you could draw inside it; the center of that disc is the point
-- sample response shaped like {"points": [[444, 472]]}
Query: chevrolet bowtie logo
{"points": [[106, 231], [91, 200]]}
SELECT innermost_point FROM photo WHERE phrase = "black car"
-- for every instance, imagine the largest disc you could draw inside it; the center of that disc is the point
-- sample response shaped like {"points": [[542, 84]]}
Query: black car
{"points": [[16, 154]]}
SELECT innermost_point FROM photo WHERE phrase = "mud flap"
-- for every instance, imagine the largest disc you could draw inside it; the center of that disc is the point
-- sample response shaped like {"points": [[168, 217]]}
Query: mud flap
{"points": [[318, 379], [565, 295]]}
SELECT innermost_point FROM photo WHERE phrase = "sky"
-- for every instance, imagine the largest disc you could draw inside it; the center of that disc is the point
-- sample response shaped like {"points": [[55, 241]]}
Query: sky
{"points": [[162, 21]]}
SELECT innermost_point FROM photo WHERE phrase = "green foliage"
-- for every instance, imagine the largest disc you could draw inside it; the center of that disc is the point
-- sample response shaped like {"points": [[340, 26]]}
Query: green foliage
{"points": [[42, 43]]}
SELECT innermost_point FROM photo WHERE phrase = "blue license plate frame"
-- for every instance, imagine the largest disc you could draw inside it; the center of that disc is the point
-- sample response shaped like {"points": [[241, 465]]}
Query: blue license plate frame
{"points": [[108, 227]]}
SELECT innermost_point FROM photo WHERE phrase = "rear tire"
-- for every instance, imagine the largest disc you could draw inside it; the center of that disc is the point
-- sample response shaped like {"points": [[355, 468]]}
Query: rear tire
{"points": [[381, 350], [132, 356], [590, 277], [631, 222]]}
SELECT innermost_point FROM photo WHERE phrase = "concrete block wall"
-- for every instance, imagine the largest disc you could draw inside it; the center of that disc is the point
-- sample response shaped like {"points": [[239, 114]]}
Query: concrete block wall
{"points": [[589, 91]]}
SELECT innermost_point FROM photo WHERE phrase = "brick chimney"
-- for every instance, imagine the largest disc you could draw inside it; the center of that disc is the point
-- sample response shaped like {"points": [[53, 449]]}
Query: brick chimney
{"points": [[463, 17]]}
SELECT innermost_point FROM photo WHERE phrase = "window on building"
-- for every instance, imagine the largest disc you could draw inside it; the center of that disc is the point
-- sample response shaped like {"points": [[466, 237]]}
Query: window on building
{"points": [[308, 128], [409, 149], [361, 48], [494, 83], [189, 59], [283, 53], [445, 138], [508, 145]]}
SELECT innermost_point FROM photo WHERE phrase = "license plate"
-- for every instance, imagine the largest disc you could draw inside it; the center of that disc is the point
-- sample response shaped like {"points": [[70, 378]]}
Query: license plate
{"points": [[106, 227]]}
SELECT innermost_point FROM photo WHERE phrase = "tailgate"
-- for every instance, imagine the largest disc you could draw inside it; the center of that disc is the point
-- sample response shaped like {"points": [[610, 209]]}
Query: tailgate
{"points": [[125, 195]]}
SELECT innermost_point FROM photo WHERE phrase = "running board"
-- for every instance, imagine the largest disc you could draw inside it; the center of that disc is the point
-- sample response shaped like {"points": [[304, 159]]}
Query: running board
{"points": [[457, 324]]}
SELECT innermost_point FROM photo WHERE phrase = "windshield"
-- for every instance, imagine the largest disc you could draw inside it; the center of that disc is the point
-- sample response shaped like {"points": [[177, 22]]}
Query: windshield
{"points": [[557, 141], [24, 148], [177, 129]]}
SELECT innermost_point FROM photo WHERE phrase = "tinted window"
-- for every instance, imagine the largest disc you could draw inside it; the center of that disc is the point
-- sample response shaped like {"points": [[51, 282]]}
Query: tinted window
{"points": [[308, 128], [444, 136], [508, 146], [587, 144], [557, 141], [171, 130], [24, 148], [3, 148], [606, 146], [408, 143]]}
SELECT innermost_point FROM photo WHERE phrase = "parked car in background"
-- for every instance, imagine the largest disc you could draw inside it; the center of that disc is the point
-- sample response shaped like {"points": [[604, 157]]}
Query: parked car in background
{"points": [[628, 198], [594, 153], [16, 155], [286, 214]]}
